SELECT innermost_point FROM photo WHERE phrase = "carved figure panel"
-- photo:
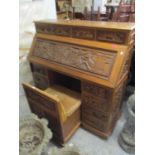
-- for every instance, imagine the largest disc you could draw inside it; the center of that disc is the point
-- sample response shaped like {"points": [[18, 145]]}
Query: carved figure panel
{"points": [[118, 37], [94, 61], [84, 33]]}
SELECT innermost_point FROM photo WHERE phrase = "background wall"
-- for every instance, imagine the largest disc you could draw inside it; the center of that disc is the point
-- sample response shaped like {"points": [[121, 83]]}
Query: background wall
{"points": [[30, 11]]}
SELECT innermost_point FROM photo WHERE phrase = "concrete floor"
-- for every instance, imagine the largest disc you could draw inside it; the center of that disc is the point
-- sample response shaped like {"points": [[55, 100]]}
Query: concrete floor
{"points": [[87, 142]]}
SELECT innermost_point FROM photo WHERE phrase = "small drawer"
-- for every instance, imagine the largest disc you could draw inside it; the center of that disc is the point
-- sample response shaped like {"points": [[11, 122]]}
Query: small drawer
{"points": [[111, 36], [40, 80], [94, 118], [61, 30], [95, 90], [97, 103], [39, 69], [83, 33]]}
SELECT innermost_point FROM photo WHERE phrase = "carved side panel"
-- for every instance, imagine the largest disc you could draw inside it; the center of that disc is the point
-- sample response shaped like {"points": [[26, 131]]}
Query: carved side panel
{"points": [[54, 29], [117, 99], [84, 33], [93, 61], [126, 65], [118, 37]]}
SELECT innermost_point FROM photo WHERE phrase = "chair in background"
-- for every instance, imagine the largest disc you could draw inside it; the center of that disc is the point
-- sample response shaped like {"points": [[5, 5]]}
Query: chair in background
{"points": [[95, 15], [125, 12]]}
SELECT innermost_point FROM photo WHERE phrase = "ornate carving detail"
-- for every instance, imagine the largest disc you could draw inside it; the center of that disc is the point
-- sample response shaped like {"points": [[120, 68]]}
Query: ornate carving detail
{"points": [[95, 90], [94, 61], [34, 135], [57, 30], [117, 99], [83, 33], [100, 104], [118, 37], [126, 66]]}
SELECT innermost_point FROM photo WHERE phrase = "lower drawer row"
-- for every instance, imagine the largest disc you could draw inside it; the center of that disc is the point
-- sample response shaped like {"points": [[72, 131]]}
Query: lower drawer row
{"points": [[96, 119]]}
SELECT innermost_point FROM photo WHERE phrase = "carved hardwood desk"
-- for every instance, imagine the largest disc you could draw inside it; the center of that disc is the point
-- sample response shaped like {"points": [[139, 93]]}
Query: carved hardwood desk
{"points": [[91, 58]]}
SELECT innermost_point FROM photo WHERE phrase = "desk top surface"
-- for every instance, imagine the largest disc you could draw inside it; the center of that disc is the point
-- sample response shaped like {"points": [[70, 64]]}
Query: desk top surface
{"points": [[95, 24]]}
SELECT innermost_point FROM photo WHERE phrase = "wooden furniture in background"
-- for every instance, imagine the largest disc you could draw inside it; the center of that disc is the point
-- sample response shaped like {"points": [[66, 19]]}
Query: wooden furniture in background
{"points": [[125, 12], [91, 58], [111, 9]]}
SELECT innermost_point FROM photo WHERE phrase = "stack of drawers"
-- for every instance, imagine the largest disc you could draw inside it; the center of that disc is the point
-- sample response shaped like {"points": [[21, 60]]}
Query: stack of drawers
{"points": [[100, 107]]}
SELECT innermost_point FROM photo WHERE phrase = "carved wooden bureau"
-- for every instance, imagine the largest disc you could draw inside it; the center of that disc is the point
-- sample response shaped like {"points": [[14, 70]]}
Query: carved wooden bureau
{"points": [[87, 57]]}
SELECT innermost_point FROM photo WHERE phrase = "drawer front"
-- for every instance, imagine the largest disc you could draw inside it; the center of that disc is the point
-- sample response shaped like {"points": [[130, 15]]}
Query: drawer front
{"points": [[111, 36], [94, 118], [97, 103], [32, 95], [83, 33], [54, 29], [40, 80], [39, 69], [95, 90]]}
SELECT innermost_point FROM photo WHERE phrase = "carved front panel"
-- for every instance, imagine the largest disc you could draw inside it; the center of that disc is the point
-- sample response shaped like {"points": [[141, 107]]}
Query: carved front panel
{"points": [[117, 37], [54, 29], [94, 61], [84, 33]]}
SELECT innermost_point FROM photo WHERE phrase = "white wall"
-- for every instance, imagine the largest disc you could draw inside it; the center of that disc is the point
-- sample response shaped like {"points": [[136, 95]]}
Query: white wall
{"points": [[100, 3], [30, 11]]}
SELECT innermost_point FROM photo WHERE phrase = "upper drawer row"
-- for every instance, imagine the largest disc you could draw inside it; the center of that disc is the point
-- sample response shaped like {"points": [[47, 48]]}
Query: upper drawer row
{"points": [[105, 35]]}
